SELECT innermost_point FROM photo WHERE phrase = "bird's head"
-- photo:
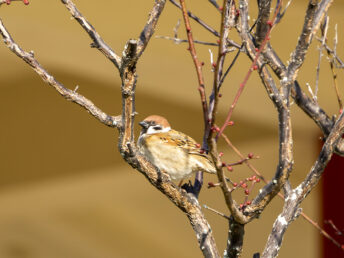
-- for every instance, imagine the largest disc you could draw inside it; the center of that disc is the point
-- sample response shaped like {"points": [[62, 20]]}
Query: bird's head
{"points": [[154, 124]]}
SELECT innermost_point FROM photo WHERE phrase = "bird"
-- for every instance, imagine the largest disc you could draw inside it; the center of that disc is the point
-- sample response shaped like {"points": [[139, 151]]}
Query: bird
{"points": [[171, 151]]}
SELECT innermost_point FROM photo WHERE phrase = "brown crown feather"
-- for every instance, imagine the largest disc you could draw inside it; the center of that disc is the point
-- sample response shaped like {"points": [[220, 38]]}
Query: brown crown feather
{"points": [[159, 120]]}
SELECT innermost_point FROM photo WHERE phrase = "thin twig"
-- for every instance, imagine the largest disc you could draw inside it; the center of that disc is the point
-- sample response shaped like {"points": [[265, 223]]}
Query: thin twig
{"points": [[244, 82], [216, 212], [179, 41], [322, 231], [26, 2], [214, 3], [334, 55], [98, 42], [324, 29], [332, 64], [206, 26], [282, 13], [208, 134], [197, 63], [334, 227]]}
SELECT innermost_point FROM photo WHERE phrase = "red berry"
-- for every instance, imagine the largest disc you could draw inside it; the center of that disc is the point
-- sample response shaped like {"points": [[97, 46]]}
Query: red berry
{"points": [[241, 206], [244, 185], [221, 154], [255, 67], [220, 8], [248, 202], [235, 184], [247, 192], [229, 168], [250, 179], [220, 95], [213, 64], [269, 23], [202, 63], [258, 180], [256, 49], [237, 12], [250, 155], [201, 151], [198, 145], [26, 2], [211, 184], [230, 123], [223, 164]]}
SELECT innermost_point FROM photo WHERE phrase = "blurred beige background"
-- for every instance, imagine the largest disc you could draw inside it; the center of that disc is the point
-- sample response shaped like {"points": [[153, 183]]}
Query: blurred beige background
{"points": [[64, 189]]}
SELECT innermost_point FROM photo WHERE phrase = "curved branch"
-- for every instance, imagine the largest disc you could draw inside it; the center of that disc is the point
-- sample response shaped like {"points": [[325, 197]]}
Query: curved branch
{"points": [[311, 108], [292, 201], [98, 42], [280, 100], [111, 121]]}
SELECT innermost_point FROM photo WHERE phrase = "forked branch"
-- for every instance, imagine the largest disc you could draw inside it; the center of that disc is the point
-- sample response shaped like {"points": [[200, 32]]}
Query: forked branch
{"points": [[126, 65]]}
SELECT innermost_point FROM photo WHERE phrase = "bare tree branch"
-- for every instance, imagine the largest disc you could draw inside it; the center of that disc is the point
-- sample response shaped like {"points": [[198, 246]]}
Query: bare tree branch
{"points": [[312, 109], [256, 46], [112, 121], [125, 123], [148, 30], [292, 201], [263, 16], [225, 27], [314, 15], [206, 26], [235, 239], [197, 63], [98, 42]]}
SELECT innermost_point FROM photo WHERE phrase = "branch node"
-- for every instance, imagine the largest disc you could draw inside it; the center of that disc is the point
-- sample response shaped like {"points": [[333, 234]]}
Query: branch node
{"points": [[76, 88]]}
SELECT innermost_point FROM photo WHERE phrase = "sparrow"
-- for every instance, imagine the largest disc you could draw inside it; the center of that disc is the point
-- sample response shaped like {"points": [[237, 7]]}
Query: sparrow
{"points": [[171, 151]]}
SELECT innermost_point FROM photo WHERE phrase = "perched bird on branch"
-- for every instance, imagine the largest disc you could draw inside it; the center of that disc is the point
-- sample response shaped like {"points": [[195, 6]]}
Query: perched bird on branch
{"points": [[171, 151]]}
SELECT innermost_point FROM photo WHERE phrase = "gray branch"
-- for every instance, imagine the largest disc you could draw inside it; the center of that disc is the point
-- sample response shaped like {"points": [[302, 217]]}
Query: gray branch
{"points": [[293, 200]]}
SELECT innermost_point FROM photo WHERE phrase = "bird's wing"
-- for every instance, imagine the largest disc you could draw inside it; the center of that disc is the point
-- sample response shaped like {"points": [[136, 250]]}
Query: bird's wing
{"points": [[187, 143]]}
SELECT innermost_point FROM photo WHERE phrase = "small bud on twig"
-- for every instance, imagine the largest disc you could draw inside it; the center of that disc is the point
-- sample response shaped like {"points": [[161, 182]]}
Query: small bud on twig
{"points": [[230, 168]]}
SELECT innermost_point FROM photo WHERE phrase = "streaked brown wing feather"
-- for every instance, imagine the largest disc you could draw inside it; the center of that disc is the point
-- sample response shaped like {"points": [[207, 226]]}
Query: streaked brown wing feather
{"points": [[185, 142]]}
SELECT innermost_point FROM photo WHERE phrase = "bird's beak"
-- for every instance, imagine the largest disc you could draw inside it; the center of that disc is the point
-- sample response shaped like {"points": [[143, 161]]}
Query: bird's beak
{"points": [[144, 124]]}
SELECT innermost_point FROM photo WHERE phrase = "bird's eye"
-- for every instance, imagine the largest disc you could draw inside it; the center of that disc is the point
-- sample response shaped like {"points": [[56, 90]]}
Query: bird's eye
{"points": [[157, 128]]}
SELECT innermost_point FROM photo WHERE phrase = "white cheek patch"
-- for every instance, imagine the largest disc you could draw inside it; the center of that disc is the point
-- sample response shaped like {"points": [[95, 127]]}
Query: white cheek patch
{"points": [[151, 130]]}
